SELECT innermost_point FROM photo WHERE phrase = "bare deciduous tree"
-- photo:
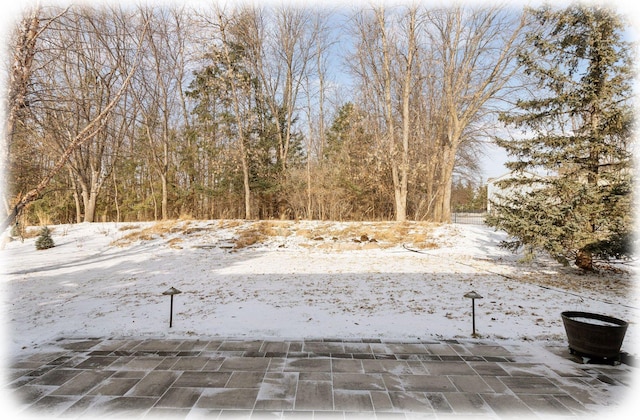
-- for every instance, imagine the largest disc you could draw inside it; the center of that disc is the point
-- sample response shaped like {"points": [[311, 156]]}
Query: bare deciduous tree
{"points": [[159, 92], [281, 53], [392, 68], [97, 118], [24, 47], [473, 58], [428, 77], [315, 91]]}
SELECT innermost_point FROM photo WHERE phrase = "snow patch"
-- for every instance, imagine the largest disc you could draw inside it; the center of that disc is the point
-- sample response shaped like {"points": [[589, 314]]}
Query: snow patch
{"points": [[298, 280]]}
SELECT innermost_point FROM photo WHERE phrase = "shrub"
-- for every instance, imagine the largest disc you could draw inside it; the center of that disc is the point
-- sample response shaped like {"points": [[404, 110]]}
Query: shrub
{"points": [[44, 241]]}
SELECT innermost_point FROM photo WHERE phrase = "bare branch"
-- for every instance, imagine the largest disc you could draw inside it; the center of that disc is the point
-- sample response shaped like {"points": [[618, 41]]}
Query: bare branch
{"points": [[84, 136]]}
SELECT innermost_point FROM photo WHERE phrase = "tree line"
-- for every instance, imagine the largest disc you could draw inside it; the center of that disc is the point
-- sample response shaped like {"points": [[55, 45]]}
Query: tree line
{"points": [[125, 113]]}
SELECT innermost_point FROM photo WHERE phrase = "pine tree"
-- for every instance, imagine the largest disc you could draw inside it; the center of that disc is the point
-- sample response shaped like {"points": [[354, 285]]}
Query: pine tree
{"points": [[44, 241], [577, 131]]}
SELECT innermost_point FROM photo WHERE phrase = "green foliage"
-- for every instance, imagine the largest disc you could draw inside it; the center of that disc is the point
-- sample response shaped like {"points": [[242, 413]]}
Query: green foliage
{"points": [[466, 197], [577, 128], [618, 245], [213, 90], [44, 241], [342, 128], [357, 178]]}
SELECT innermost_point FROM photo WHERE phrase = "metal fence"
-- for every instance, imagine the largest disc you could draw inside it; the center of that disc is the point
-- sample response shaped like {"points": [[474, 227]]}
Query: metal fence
{"points": [[469, 218]]}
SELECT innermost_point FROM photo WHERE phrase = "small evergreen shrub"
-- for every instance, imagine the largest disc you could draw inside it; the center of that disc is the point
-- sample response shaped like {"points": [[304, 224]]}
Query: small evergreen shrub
{"points": [[44, 241]]}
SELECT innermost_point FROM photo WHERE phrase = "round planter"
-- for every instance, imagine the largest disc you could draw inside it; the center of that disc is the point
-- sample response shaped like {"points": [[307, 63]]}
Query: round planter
{"points": [[593, 334]]}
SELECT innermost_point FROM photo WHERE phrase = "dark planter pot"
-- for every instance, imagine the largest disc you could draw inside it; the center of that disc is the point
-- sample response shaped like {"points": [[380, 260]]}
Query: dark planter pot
{"points": [[595, 335]]}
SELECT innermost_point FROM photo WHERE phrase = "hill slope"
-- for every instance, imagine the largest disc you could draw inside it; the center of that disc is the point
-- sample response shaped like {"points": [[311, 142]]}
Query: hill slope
{"points": [[292, 280]]}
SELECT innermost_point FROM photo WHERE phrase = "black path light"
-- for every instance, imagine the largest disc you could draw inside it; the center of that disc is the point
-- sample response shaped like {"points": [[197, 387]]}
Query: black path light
{"points": [[473, 296], [172, 291]]}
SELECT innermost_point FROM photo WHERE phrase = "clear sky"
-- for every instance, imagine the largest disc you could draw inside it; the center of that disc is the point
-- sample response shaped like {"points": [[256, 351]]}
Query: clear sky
{"points": [[493, 162]]}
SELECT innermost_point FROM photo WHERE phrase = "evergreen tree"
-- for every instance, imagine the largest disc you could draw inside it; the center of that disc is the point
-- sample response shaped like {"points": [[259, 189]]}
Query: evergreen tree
{"points": [[44, 241], [577, 131]]}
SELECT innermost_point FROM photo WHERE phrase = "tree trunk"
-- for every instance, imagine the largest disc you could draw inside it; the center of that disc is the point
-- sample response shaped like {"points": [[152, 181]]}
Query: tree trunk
{"points": [[154, 199], [90, 208], [85, 199], [403, 187], [76, 197], [19, 79], [445, 215], [442, 207], [247, 188], [90, 194], [115, 197], [399, 205], [165, 197]]}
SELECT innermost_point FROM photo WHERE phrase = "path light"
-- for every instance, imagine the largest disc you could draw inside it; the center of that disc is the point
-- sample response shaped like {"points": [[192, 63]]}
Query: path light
{"points": [[473, 296], [171, 292]]}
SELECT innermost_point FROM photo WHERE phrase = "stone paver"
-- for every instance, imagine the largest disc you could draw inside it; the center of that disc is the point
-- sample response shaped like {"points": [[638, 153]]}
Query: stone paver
{"points": [[309, 378]]}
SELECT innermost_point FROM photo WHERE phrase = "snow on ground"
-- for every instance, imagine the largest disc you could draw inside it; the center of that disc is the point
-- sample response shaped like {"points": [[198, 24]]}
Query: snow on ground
{"points": [[293, 280]]}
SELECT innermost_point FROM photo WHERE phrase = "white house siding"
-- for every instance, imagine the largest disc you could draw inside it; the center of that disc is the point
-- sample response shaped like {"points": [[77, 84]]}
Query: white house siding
{"points": [[494, 191]]}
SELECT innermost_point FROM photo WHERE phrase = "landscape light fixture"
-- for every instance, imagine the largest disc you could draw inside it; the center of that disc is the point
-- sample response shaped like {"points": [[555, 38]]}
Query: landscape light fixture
{"points": [[172, 291], [473, 296]]}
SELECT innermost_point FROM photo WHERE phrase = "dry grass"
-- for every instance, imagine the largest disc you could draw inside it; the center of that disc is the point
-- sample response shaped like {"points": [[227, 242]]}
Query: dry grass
{"points": [[174, 243], [358, 235], [128, 227], [157, 230], [259, 231], [228, 224], [192, 230], [247, 238], [329, 230], [275, 227], [385, 234]]}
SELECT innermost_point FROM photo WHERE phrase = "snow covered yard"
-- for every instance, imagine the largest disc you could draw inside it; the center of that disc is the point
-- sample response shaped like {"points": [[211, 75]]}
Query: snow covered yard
{"points": [[303, 279]]}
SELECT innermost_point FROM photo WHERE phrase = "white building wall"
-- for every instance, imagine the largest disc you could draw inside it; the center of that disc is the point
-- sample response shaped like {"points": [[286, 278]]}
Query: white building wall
{"points": [[494, 191]]}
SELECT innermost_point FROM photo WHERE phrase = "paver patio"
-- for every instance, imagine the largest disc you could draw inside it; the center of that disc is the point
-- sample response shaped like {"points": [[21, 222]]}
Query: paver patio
{"points": [[310, 378]]}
